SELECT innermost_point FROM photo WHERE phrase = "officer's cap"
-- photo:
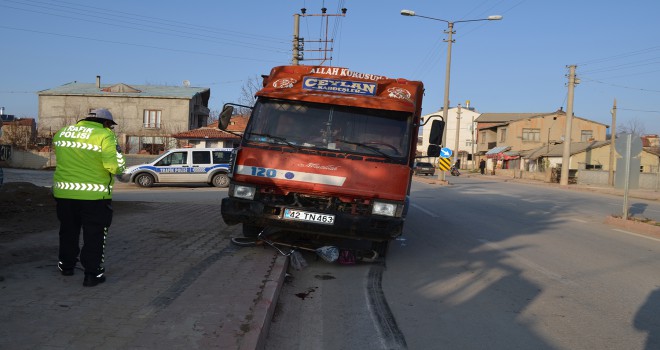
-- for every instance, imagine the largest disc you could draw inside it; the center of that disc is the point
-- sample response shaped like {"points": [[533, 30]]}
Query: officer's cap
{"points": [[102, 113]]}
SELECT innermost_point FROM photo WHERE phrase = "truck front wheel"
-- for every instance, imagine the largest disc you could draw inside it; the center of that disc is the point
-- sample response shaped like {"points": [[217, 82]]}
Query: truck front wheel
{"points": [[251, 230], [380, 247]]}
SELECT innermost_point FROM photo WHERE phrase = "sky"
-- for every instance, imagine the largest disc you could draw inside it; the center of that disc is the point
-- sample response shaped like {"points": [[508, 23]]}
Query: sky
{"points": [[516, 65]]}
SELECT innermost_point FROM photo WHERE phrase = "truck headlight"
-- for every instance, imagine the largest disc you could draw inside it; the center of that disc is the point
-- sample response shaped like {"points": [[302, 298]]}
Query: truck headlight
{"points": [[240, 191], [385, 209]]}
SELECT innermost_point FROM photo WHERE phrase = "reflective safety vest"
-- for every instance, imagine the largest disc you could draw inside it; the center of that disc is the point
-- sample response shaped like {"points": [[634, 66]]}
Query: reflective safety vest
{"points": [[87, 159]]}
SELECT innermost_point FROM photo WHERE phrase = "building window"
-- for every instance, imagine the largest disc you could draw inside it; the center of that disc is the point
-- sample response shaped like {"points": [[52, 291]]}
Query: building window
{"points": [[531, 135], [151, 119], [586, 135], [483, 137], [503, 135], [148, 144]]}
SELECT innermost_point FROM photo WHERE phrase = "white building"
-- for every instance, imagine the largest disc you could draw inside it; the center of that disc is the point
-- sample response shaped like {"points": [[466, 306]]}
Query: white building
{"points": [[461, 118]]}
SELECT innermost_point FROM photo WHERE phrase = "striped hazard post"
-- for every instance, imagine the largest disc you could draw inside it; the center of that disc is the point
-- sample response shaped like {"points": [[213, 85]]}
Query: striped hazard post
{"points": [[444, 164]]}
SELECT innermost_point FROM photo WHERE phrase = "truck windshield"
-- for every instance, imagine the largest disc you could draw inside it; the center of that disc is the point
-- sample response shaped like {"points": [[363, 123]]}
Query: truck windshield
{"points": [[331, 127]]}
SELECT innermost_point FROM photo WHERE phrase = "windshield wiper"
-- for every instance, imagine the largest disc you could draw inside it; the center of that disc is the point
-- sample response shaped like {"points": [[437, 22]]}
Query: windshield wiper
{"points": [[277, 138], [375, 149]]}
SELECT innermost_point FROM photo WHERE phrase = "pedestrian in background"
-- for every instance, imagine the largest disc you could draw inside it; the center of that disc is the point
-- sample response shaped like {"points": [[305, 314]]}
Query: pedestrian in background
{"points": [[482, 166], [88, 157]]}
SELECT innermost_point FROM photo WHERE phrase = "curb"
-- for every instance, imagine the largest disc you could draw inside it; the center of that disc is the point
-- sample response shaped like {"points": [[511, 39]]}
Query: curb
{"points": [[636, 226], [264, 307]]}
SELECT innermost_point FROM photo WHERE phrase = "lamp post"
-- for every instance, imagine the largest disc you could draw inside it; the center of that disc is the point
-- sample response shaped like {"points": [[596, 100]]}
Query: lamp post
{"points": [[450, 32], [458, 130]]}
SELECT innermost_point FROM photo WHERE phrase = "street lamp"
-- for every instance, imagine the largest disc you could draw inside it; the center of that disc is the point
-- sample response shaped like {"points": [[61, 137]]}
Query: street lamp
{"points": [[450, 32]]}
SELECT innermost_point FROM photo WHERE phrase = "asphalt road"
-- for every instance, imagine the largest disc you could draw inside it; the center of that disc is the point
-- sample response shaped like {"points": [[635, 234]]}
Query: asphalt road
{"points": [[483, 264], [486, 264]]}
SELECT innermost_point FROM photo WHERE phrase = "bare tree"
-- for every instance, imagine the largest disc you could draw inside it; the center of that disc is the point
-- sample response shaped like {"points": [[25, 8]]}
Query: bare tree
{"points": [[213, 116], [18, 135], [248, 91], [632, 126]]}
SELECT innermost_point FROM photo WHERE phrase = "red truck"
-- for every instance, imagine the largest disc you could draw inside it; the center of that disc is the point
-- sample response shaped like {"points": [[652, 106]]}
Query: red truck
{"points": [[327, 152]]}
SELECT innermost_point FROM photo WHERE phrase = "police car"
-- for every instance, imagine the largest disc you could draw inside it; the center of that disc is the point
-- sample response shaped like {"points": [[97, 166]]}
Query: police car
{"points": [[183, 165]]}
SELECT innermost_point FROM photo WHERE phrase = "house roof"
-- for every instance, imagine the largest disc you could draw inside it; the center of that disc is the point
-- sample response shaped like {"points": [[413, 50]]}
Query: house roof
{"points": [[211, 131], [205, 133], [497, 119], [507, 117], [496, 150], [650, 140], [87, 89], [237, 123], [557, 150]]}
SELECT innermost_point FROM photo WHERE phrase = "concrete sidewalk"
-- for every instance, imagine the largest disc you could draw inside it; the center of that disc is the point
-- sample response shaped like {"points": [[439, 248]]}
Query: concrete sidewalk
{"points": [[174, 281]]}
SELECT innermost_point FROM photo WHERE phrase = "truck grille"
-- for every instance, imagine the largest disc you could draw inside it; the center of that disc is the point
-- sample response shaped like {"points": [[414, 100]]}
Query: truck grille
{"points": [[318, 203]]}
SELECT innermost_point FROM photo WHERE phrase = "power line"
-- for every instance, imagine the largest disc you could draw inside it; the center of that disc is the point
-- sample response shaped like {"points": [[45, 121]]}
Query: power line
{"points": [[638, 110], [433, 55], [143, 18], [619, 56], [646, 62], [141, 26], [619, 86], [138, 45]]}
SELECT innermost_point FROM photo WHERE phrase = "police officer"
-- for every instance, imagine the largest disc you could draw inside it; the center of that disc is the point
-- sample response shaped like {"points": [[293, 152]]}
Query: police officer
{"points": [[88, 157]]}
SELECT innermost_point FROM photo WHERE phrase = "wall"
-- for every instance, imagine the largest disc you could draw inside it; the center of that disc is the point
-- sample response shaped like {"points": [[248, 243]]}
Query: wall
{"points": [[43, 160], [648, 181], [552, 126], [57, 111]]}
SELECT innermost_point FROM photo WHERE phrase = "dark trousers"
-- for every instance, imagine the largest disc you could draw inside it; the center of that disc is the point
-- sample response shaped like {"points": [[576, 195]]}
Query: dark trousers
{"points": [[93, 217]]}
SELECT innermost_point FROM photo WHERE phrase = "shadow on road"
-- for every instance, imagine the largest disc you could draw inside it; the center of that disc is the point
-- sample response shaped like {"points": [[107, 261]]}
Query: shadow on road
{"points": [[647, 320]]}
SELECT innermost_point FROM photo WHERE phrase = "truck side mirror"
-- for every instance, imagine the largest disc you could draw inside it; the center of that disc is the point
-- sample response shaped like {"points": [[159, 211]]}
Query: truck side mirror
{"points": [[433, 151], [435, 138], [225, 116], [436, 132]]}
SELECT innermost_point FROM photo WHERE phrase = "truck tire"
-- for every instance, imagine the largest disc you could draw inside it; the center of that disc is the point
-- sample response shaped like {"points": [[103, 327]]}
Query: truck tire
{"points": [[380, 247], [251, 230], [145, 180], [220, 180]]}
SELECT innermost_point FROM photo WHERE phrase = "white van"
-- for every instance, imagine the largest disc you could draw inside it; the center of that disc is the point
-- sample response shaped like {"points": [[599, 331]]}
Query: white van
{"points": [[183, 165]]}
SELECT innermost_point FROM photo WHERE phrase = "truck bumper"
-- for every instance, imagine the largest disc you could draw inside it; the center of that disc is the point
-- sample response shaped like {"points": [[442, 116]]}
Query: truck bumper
{"points": [[371, 227]]}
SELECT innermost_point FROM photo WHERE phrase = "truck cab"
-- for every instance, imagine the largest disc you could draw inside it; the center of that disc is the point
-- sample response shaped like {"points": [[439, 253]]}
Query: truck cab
{"points": [[327, 152]]}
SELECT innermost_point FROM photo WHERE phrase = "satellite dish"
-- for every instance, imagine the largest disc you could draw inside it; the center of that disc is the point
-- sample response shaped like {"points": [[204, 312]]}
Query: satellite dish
{"points": [[186, 83]]}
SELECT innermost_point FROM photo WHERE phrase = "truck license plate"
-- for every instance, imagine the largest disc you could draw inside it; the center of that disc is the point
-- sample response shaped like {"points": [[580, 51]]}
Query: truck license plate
{"points": [[292, 214]]}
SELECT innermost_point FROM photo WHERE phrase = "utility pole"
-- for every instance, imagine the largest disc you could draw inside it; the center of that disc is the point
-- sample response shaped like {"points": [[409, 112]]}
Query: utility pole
{"points": [[565, 163], [296, 40], [445, 107], [458, 130], [299, 43], [612, 142]]}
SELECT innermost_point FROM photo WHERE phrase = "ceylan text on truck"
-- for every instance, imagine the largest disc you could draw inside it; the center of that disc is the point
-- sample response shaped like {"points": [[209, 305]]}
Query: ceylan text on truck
{"points": [[326, 152]]}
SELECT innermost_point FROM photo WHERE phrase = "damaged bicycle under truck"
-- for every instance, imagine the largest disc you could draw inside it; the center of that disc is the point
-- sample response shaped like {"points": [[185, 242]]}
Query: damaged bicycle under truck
{"points": [[327, 155]]}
